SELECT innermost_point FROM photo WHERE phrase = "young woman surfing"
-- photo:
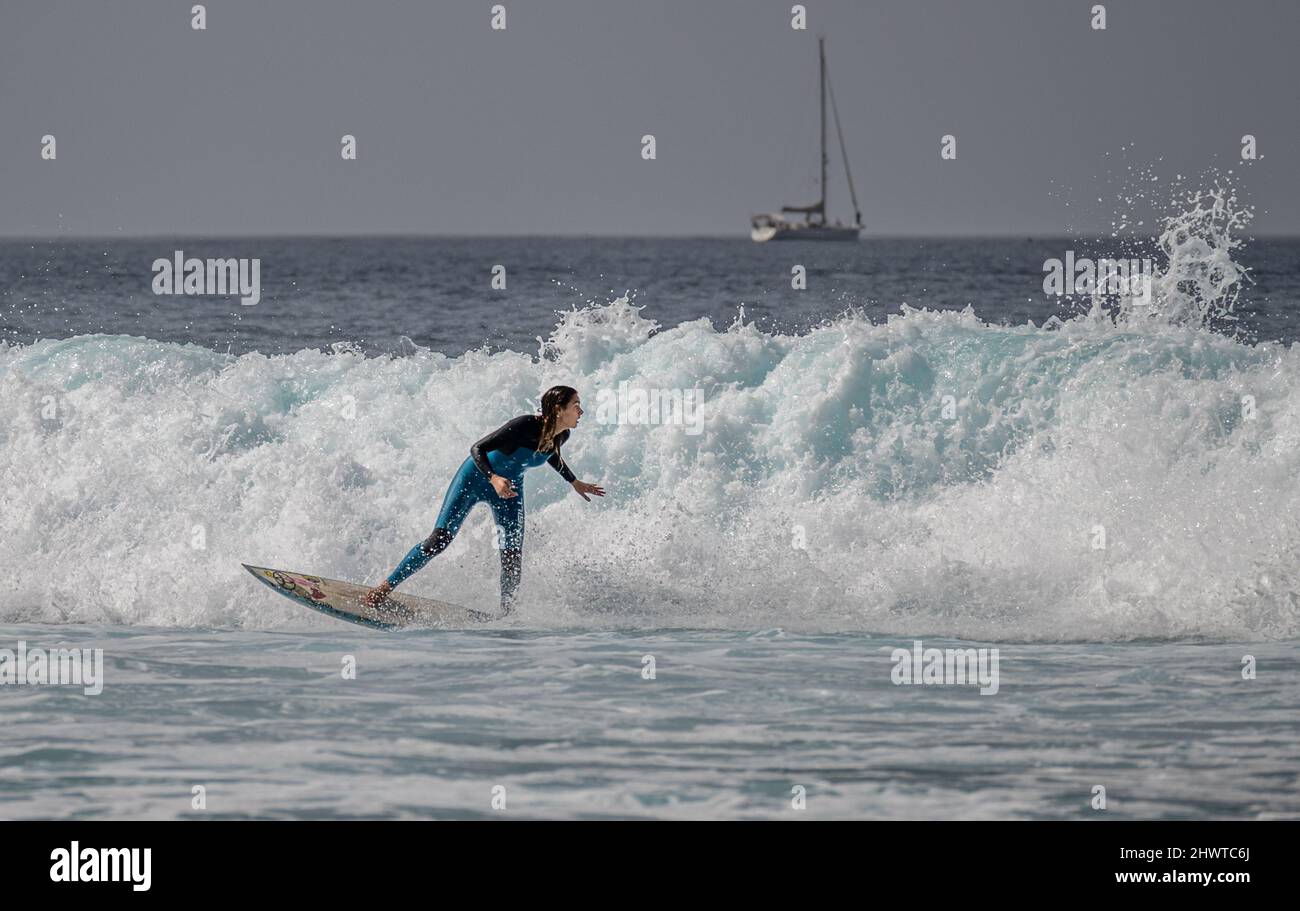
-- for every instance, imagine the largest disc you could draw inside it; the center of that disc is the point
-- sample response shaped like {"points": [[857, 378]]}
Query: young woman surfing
{"points": [[494, 474]]}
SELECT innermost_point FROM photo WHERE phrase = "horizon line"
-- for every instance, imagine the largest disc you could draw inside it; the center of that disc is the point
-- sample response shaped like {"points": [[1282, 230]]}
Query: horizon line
{"points": [[1000, 235]]}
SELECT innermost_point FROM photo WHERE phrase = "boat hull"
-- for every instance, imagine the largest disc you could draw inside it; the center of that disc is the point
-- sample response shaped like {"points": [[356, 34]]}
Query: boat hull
{"points": [[803, 232]]}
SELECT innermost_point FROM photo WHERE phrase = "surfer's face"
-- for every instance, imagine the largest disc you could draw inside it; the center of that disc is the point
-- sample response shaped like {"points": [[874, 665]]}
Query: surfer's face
{"points": [[569, 416]]}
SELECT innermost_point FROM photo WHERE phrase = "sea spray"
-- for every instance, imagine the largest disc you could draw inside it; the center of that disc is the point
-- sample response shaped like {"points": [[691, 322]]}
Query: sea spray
{"points": [[973, 518], [1115, 476]]}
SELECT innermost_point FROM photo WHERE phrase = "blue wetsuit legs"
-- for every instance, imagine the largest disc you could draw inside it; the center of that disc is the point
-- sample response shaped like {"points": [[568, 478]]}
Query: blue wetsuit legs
{"points": [[467, 489]]}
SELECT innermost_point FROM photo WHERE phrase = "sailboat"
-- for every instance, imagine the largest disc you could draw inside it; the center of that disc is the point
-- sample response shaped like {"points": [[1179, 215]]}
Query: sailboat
{"points": [[813, 226]]}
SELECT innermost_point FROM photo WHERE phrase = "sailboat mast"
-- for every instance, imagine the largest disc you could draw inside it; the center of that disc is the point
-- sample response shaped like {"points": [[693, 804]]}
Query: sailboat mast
{"points": [[821, 53]]}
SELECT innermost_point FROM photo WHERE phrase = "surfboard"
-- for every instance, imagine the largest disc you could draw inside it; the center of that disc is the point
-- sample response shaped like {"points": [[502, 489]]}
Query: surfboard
{"points": [[343, 600]]}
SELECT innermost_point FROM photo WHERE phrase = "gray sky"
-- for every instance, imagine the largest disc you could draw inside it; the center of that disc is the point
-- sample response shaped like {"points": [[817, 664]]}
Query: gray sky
{"points": [[536, 130]]}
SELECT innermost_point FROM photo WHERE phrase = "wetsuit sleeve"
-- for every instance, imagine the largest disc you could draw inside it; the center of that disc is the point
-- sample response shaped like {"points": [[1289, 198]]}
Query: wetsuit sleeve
{"points": [[556, 460], [509, 437]]}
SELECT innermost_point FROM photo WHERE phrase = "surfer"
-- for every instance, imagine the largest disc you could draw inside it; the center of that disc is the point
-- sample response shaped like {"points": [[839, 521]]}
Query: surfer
{"points": [[494, 474]]}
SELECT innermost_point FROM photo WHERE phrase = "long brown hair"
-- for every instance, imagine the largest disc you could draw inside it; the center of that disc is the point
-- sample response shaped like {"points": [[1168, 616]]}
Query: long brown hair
{"points": [[554, 400]]}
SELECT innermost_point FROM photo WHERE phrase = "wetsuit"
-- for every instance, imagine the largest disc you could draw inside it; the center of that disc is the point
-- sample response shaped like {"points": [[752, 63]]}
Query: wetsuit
{"points": [[509, 451]]}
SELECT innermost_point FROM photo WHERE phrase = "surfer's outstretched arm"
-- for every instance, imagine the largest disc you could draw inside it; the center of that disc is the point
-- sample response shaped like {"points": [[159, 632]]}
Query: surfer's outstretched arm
{"points": [[557, 462], [583, 488]]}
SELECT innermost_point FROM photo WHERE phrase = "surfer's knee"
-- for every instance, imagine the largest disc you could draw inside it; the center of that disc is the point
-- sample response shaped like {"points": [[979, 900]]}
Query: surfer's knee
{"points": [[437, 542]]}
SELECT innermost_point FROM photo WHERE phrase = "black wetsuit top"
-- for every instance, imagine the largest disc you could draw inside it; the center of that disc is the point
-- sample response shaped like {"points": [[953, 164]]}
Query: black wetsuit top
{"points": [[524, 431]]}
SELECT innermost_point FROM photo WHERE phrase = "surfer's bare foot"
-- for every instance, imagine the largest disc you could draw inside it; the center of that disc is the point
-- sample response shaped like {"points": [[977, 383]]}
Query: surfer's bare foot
{"points": [[377, 595]]}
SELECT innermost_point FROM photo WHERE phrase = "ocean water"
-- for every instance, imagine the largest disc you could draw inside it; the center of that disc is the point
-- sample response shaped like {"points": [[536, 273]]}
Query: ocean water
{"points": [[921, 445], [567, 725]]}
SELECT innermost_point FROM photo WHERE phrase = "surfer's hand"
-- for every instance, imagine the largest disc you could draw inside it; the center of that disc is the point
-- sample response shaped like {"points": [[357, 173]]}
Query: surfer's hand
{"points": [[505, 490], [583, 488]]}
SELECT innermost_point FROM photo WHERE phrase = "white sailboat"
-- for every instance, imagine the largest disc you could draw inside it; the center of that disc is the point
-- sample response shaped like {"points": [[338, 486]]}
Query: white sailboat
{"points": [[813, 226]]}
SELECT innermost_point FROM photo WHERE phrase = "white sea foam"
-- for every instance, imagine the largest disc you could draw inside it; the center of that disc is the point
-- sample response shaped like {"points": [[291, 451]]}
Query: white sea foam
{"points": [[944, 476]]}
